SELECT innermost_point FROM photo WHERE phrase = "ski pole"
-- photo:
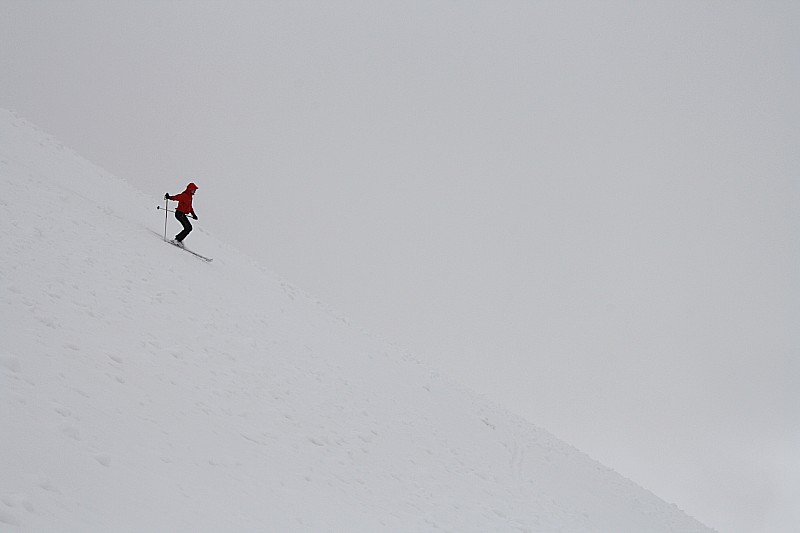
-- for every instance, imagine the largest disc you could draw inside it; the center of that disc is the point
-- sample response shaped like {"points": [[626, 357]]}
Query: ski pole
{"points": [[165, 217], [165, 209]]}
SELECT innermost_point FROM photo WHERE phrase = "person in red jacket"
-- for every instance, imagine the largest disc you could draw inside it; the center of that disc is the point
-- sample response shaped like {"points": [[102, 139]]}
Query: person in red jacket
{"points": [[183, 211]]}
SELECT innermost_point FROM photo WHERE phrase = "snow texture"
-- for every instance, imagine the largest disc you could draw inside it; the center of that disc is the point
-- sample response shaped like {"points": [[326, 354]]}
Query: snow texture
{"points": [[144, 390]]}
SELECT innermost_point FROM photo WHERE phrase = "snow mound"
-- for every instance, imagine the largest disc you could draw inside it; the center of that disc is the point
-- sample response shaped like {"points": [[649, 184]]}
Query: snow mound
{"points": [[144, 390]]}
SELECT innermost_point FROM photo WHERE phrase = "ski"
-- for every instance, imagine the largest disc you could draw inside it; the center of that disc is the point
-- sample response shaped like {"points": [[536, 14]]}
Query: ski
{"points": [[204, 258]]}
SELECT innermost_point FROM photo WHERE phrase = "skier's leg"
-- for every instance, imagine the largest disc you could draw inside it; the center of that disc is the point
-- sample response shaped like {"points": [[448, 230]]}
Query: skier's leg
{"points": [[187, 226]]}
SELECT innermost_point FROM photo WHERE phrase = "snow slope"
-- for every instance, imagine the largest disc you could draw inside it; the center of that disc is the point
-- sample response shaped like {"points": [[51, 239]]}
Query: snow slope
{"points": [[142, 389]]}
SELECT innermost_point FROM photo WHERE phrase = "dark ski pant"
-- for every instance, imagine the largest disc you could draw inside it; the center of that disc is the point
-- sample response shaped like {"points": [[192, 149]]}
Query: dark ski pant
{"points": [[187, 226]]}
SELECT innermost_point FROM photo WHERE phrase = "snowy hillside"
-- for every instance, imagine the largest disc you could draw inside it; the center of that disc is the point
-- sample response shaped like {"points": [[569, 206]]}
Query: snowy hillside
{"points": [[142, 389]]}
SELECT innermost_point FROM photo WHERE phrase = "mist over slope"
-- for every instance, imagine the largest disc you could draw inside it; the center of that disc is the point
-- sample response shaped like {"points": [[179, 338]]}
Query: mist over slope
{"points": [[142, 389]]}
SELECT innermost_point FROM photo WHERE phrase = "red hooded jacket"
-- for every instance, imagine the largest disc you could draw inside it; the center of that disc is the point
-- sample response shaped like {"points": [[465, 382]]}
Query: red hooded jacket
{"points": [[184, 200]]}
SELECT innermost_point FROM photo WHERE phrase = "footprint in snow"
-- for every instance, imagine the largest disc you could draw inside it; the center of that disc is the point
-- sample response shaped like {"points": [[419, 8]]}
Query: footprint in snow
{"points": [[8, 519], [10, 362]]}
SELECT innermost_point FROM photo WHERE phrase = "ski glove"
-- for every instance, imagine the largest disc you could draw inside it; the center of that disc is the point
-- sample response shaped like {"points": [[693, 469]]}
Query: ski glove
{"points": [[166, 196], [194, 216]]}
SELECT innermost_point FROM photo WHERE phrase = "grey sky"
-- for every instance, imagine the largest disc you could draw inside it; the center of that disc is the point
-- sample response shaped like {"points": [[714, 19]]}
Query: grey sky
{"points": [[585, 210]]}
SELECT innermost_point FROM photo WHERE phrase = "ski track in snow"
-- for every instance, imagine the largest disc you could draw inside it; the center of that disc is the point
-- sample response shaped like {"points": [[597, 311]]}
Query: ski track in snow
{"points": [[144, 390]]}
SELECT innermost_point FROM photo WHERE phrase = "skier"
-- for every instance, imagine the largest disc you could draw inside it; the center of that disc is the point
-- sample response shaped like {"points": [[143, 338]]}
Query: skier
{"points": [[183, 211]]}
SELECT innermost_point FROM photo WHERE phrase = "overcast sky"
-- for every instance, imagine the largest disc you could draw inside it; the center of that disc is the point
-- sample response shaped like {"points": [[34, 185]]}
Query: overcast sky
{"points": [[585, 210]]}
